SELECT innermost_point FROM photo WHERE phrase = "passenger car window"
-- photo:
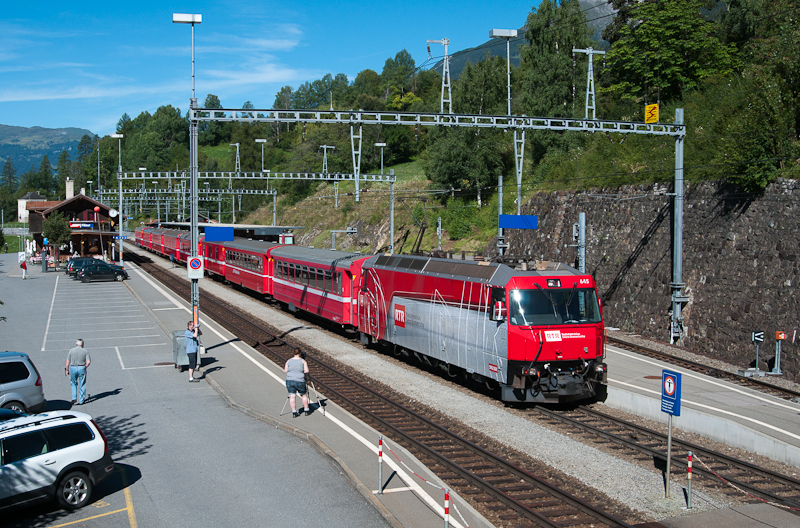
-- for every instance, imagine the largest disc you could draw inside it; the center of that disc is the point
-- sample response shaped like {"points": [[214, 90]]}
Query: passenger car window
{"points": [[69, 435], [20, 447], [13, 371]]}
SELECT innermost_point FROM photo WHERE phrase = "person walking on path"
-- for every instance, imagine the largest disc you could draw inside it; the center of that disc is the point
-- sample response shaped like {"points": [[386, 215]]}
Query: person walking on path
{"points": [[78, 361], [296, 369], [24, 266], [192, 334]]}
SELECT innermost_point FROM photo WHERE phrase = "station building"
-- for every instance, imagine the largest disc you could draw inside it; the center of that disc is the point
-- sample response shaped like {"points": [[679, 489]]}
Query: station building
{"points": [[93, 225]]}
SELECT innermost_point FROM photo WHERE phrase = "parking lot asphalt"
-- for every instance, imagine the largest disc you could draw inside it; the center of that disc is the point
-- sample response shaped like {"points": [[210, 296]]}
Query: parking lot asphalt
{"points": [[218, 452], [184, 457]]}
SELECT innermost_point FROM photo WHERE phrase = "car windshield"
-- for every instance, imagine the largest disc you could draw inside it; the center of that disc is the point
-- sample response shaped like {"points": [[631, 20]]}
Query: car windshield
{"points": [[553, 306]]}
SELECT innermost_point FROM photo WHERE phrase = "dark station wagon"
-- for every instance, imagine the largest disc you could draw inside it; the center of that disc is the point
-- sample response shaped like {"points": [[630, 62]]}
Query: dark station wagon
{"points": [[101, 271]]}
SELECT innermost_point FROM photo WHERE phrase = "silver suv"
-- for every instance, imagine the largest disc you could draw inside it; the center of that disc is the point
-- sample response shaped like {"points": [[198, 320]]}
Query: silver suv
{"points": [[57, 455], [20, 384]]}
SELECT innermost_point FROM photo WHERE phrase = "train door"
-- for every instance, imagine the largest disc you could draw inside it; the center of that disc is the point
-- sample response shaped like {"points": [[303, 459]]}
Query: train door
{"points": [[368, 308]]}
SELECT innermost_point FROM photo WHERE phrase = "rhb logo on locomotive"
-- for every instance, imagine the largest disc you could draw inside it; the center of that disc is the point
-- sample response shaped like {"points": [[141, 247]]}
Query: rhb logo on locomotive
{"points": [[400, 315]]}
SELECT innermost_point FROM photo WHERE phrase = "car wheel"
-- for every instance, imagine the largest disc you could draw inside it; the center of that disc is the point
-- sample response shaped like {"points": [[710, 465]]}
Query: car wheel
{"points": [[84, 279], [119, 278], [74, 491], [16, 406]]}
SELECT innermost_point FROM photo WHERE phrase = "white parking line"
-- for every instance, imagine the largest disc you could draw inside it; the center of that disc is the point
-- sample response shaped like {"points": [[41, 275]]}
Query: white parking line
{"points": [[137, 368], [49, 315]]}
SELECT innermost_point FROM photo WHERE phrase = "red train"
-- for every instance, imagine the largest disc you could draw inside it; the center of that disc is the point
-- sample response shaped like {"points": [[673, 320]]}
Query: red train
{"points": [[537, 336]]}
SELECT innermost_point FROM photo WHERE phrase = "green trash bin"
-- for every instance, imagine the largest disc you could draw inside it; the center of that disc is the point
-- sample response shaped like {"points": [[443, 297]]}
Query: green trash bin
{"points": [[179, 357]]}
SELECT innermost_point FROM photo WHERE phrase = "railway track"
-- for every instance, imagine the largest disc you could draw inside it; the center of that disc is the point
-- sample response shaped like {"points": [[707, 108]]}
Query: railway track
{"points": [[454, 461], [495, 486], [762, 484], [751, 383]]}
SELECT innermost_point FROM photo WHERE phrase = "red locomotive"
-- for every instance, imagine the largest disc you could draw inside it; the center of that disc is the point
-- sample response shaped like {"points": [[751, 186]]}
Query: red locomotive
{"points": [[537, 336]]}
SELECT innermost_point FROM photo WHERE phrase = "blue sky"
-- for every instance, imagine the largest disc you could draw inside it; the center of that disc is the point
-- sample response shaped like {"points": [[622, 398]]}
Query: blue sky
{"points": [[84, 64]]}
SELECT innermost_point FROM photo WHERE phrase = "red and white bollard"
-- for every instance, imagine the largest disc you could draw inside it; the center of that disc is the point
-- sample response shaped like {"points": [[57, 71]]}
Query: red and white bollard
{"points": [[446, 508], [380, 465], [689, 486]]}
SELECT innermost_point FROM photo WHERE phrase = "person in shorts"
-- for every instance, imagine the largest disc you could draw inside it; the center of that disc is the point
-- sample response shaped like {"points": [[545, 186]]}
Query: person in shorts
{"points": [[296, 369], [192, 334]]}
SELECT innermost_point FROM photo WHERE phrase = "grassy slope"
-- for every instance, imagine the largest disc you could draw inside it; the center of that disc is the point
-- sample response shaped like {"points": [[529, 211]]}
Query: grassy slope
{"points": [[371, 214]]}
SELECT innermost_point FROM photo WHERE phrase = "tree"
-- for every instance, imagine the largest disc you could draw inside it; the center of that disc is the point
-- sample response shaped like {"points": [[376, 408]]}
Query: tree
{"points": [[283, 99], [63, 171], [551, 86], [464, 157], [124, 125], [28, 179], [44, 176], [85, 148], [56, 229], [665, 49], [397, 72], [213, 132], [482, 89], [8, 177]]}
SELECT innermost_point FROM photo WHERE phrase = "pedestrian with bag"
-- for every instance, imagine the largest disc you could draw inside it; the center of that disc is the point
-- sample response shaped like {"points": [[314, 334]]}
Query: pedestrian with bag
{"points": [[78, 361], [192, 336], [296, 369], [24, 267]]}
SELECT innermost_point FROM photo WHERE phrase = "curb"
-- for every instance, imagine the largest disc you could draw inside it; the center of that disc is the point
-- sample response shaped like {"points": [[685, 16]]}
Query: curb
{"points": [[318, 444]]}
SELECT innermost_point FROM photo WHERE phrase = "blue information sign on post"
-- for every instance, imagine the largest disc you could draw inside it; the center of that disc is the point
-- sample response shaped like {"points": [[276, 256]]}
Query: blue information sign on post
{"points": [[671, 392]]}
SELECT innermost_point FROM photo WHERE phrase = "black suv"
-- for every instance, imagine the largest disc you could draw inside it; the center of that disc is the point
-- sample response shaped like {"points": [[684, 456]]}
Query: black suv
{"points": [[100, 271], [75, 263]]}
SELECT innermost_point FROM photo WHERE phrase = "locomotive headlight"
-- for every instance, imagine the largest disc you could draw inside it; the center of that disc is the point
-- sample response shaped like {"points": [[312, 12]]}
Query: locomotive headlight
{"points": [[553, 283], [600, 368]]}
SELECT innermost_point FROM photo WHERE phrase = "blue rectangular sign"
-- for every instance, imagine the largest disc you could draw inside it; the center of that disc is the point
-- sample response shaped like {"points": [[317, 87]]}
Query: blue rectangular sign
{"points": [[219, 234], [519, 221], [671, 392]]}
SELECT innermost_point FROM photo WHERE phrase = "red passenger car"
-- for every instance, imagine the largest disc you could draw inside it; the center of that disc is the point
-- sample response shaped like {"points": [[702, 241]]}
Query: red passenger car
{"points": [[319, 281], [246, 264]]}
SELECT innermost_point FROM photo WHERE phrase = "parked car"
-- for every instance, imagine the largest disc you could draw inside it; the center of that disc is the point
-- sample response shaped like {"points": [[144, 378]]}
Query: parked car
{"points": [[101, 271], [21, 387], [58, 455], [75, 263]]}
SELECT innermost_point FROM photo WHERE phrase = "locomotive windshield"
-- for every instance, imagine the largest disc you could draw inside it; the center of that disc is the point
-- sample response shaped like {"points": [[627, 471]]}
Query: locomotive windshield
{"points": [[553, 306]]}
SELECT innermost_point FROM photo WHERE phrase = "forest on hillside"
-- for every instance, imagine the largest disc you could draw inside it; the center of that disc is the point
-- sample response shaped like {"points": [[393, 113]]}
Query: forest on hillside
{"points": [[733, 66]]}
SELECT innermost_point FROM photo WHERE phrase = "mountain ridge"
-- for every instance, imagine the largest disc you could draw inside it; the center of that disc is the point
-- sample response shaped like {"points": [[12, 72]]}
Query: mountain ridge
{"points": [[26, 146]]}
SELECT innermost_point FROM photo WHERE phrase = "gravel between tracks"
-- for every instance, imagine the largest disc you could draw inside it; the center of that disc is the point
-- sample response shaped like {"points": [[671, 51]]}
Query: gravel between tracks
{"points": [[628, 483]]}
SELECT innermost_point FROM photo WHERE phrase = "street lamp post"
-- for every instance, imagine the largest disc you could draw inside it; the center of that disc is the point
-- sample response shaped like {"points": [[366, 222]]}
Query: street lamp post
{"points": [[381, 145], [230, 183], [183, 18], [158, 204], [519, 136], [119, 181], [507, 34], [262, 141]]}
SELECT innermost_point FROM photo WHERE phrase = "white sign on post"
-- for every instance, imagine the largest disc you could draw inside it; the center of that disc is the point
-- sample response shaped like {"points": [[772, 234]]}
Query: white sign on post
{"points": [[194, 268]]}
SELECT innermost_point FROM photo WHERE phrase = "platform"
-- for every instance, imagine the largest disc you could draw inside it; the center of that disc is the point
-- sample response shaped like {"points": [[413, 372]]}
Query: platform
{"points": [[136, 332], [717, 409]]}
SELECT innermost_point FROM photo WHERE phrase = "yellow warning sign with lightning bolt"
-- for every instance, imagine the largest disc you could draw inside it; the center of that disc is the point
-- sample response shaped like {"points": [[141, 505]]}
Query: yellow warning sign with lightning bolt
{"points": [[651, 114]]}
